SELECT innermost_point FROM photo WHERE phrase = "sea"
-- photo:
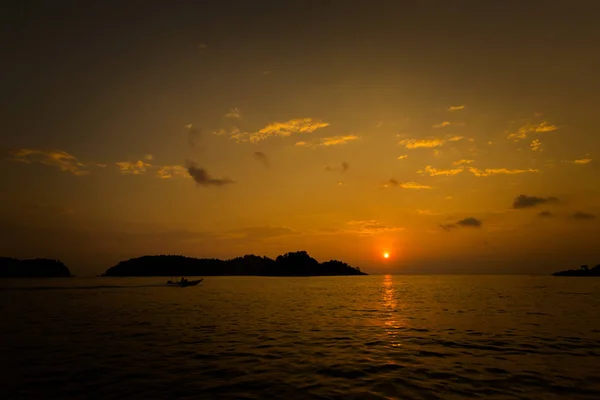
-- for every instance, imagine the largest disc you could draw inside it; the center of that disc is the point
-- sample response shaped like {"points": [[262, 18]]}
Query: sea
{"points": [[353, 337]]}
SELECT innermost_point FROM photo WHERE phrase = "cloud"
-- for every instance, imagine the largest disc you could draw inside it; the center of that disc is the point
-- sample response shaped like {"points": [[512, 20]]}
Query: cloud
{"points": [[421, 143], [405, 185], [370, 227], [54, 158], [427, 212], [581, 161], [402, 157], [149, 157], [524, 201], [172, 171], [463, 162], [456, 108], [545, 214], [201, 177], [469, 222], [302, 144], [536, 145], [436, 172], [442, 124], [256, 233], [193, 134], [261, 157], [428, 143], [335, 140], [302, 125], [233, 113], [499, 171], [135, 168], [528, 128], [583, 216], [343, 168]]}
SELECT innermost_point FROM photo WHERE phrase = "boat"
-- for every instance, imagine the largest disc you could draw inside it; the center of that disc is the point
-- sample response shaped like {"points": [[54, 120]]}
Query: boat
{"points": [[184, 283]]}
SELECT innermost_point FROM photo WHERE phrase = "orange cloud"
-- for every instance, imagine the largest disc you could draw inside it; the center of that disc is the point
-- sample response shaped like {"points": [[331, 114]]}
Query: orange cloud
{"points": [[528, 128], [436, 172], [335, 140], [54, 158], [171, 171], [456, 108], [499, 171], [135, 168], [302, 125]]}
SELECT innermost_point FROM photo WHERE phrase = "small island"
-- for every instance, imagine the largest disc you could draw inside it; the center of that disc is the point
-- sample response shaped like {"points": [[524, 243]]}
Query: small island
{"points": [[584, 270], [34, 268], [290, 264]]}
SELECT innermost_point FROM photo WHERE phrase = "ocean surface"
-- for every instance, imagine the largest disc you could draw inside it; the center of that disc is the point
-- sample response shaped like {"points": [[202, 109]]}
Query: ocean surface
{"points": [[359, 337]]}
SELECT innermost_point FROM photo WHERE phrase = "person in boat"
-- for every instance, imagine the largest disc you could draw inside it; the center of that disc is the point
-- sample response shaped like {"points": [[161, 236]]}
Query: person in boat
{"points": [[183, 280]]}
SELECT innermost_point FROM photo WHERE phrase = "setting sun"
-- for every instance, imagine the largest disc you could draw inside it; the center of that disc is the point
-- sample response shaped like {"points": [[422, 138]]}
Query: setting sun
{"points": [[386, 255]]}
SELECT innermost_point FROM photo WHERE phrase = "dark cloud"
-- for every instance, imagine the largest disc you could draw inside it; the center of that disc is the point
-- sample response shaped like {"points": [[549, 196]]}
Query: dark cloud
{"points": [[463, 223], [524, 201], [393, 182], [545, 214], [583, 216], [262, 157], [193, 135], [344, 167], [202, 178]]}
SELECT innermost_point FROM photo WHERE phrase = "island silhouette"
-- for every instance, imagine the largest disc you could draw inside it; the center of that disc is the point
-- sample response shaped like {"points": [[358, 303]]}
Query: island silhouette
{"points": [[584, 270], [290, 264], [33, 268]]}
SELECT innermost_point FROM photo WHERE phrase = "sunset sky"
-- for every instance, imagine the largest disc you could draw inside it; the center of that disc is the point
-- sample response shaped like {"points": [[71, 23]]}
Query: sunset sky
{"points": [[458, 136]]}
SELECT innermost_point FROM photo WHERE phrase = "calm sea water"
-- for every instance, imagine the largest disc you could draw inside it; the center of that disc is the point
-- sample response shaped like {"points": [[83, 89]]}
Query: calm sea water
{"points": [[405, 337]]}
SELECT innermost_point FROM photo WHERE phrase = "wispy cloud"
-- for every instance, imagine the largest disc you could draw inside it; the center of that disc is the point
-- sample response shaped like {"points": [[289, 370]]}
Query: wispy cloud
{"points": [[133, 167], [172, 171], [581, 161], [463, 223], [428, 143], [463, 162], [148, 157], [583, 216], [528, 128], [442, 124], [54, 158], [403, 157], [536, 145], [202, 178], [287, 128], [499, 171], [456, 108], [524, 201], [436, 172], [193, 134], [344, 167], [262, 158], [302, 144], [405, 185], [421, 143], [545, 214], [336, 140], [370, 227], [233, 113]]}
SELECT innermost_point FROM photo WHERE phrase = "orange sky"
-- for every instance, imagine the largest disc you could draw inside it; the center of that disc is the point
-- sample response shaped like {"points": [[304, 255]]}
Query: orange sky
{"points": [[340, 130]]}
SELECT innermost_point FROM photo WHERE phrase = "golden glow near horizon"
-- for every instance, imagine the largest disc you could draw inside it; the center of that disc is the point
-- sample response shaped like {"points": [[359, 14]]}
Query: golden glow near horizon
{"points": [[264, 143]]}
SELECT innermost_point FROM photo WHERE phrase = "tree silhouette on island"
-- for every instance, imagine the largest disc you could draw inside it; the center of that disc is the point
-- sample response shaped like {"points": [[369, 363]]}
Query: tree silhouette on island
{"points": [[583, 271], [34, 268], [290, 264]]}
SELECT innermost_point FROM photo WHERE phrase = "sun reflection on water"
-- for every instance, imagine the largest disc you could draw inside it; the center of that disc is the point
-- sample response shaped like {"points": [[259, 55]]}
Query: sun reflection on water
{"points": [[391, 321]]}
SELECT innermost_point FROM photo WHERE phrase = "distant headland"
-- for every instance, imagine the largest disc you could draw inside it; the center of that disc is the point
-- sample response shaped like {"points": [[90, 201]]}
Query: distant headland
{"points": [[583, 271], [34, 268], [290, 264]]}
